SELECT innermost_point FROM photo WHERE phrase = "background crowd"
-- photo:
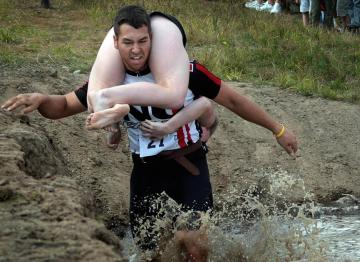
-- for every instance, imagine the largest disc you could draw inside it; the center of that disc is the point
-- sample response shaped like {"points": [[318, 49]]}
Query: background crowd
{"points": [[342, 15]]}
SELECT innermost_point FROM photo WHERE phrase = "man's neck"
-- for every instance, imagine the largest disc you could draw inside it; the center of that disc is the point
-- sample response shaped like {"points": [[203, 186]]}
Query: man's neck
{"points": [[145, 71]]}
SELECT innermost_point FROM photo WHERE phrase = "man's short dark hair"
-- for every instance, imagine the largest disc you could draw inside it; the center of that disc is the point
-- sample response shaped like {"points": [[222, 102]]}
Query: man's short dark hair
{"points": [[133, 15]]}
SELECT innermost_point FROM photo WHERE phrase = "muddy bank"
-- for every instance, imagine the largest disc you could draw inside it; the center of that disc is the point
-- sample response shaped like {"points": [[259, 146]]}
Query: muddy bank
{"points": [[54, 193], [64, 195], [328, 160], [45, 213]]}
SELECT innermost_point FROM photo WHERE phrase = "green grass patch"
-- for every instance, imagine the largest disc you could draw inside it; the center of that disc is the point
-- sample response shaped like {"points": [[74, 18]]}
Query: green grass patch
{"points": [[8, 37], [11, 58], [71, 57]]}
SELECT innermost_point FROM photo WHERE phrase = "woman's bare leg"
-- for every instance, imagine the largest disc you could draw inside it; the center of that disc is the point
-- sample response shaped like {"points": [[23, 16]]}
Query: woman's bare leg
{"points": [[169, 63], [106, 118], [108, 69], [173, 71]]}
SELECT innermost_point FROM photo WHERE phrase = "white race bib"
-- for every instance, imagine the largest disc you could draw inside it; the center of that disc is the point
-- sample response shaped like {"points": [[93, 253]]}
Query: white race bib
{"points": [[150, 147]]}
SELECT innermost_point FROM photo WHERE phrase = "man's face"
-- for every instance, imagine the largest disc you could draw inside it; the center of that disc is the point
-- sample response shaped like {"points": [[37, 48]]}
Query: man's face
{"points": [[134, 46]]}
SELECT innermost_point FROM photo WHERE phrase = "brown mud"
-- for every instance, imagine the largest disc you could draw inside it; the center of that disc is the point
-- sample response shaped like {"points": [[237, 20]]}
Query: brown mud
{"points": [[64, 196]]}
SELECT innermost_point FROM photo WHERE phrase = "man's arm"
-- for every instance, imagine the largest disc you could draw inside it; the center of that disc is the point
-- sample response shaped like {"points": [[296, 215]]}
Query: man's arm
{"points": [[200, 109], [49, 106], [54, 107], [250, 111]]}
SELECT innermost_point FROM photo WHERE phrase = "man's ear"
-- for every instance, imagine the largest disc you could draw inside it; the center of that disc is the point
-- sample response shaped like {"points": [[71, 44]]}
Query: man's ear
{"points": [[115, 42]]}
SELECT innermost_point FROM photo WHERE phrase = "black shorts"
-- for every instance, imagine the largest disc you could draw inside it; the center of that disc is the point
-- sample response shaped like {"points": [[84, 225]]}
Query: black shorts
{"points": [[149, 182]]}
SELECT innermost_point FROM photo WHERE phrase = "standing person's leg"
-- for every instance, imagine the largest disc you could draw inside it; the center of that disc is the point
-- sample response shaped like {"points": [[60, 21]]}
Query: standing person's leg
{"points": [[146, 185], [45, 4], [342, 9], [314, 12], [355, 15], [305, 18], [304, 9], [196, 198], [329, 14], [192, 192]]}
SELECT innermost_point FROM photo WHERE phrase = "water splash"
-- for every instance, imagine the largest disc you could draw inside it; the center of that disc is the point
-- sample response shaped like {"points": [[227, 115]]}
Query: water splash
{"points": [[256, 225]]}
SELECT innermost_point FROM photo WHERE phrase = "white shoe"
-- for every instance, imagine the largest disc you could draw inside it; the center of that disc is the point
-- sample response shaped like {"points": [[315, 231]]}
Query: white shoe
{"points": [[253, 5], [257, 7], [276, 9], [266, 7]]}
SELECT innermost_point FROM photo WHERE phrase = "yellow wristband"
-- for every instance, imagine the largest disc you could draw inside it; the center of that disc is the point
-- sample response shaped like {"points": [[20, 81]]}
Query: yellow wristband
{"points": [[281, 133]]}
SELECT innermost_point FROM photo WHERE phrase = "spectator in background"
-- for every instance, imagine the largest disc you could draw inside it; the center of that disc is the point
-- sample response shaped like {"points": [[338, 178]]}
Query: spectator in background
{"points": [[271, 6], [304, 10], [315, 13], [354, 16], [349, 13], [45, 4], [342, 11], [256, 4]]}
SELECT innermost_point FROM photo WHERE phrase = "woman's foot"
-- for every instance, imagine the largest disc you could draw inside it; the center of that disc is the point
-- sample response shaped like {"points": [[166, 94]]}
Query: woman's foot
{"points": [[107, 117]]}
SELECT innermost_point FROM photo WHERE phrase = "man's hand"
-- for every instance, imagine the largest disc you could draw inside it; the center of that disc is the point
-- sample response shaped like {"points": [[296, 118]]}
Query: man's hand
{"points": [[205, 135], [288, 142], [154, 130], [113, 139], [29, 102]]}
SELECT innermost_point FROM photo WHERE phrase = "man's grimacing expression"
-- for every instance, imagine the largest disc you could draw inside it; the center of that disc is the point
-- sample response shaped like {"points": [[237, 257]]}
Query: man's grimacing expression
{"points": [[134, 45]]}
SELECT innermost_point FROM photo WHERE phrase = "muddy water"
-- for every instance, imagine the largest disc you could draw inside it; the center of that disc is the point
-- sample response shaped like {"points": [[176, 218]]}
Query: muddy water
{"points": [[342, 236], [277, 239], [329, 238], [258, 230]]}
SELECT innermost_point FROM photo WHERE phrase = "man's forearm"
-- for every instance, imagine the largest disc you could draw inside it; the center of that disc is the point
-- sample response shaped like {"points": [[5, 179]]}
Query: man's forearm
{"points": [[52, 106], [246, 109], [59, 106], [250, 111]]}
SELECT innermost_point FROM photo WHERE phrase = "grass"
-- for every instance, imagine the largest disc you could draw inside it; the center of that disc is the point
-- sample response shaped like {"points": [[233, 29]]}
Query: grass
{"points": [[237, 44]]}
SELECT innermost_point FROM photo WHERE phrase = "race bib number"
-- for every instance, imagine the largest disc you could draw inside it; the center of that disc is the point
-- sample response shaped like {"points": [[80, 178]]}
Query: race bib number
{"points": [[150, 147]]}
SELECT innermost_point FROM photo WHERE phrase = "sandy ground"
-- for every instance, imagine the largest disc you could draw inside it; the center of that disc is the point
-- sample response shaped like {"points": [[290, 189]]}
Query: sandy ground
{"points": [[64, 195]]}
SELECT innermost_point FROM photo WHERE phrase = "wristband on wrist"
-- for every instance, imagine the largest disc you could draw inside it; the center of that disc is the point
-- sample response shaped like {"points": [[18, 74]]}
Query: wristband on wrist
{"points": [[281, 133]]}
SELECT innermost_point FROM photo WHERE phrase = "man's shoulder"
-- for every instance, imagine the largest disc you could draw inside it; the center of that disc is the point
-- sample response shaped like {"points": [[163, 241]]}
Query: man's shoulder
{"points": [[203, 82]]}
